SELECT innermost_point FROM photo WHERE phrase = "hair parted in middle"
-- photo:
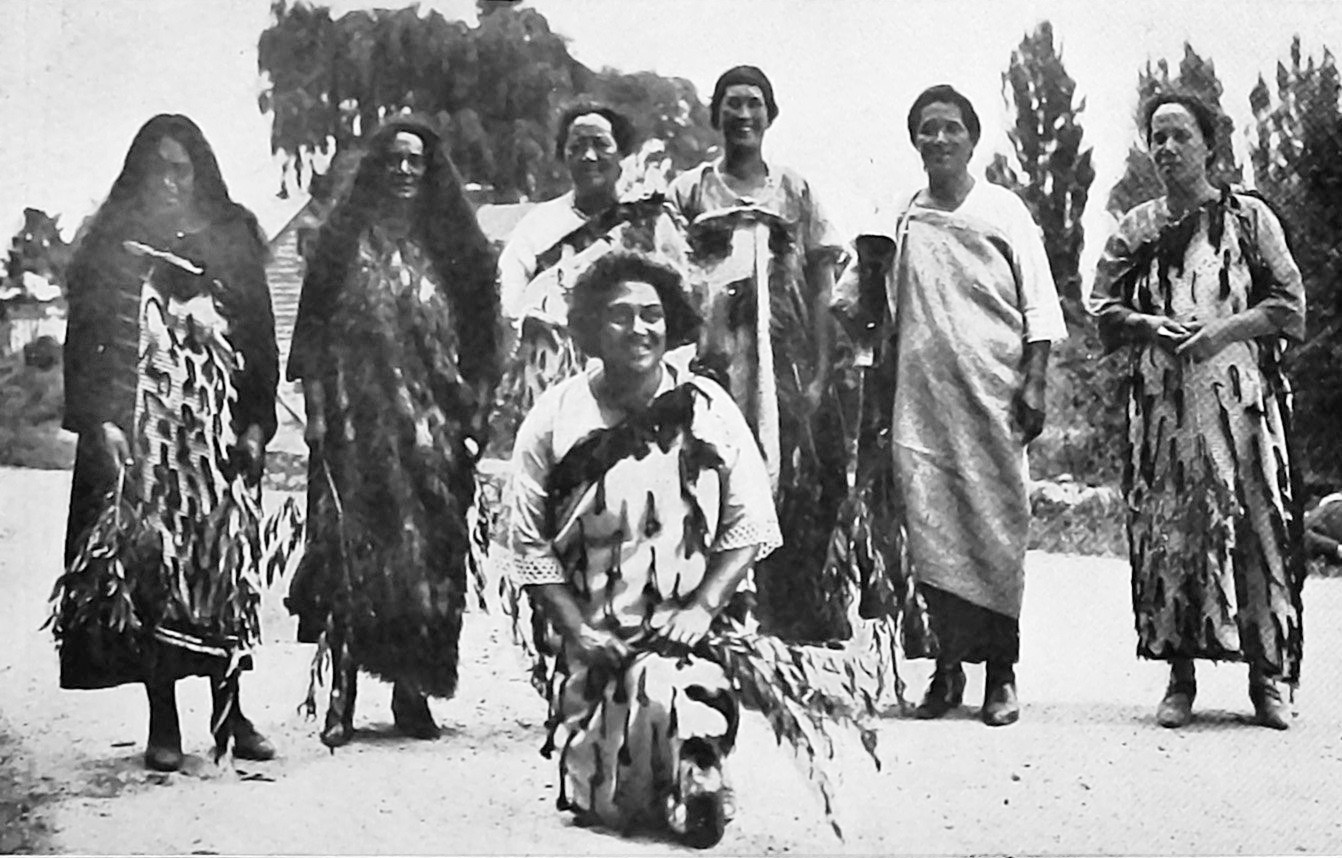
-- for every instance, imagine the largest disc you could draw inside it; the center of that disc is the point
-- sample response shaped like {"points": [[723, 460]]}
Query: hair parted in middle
{"points": [[1203, 114], [592, 292], [944, 93], [621, 128], [444, 224]]}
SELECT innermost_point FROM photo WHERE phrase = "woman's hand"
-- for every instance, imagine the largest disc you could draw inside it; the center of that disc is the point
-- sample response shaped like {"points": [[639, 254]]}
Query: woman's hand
{"points": [[1030, 410], [1167, 334], [251, 449], [596, 647], [1208, 340], [115, 444], [684, 626], [315, 431], [814, 394]]}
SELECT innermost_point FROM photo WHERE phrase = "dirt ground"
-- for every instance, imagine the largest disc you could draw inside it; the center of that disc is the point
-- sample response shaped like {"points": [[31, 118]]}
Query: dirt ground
{"points": [[1085, 771]]}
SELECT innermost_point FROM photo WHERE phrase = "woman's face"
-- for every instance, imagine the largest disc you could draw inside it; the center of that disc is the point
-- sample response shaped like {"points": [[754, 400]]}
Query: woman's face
{"points": [[172, 179], [1177, 146], [591, 154], [743, 116], [405, 165], [943, 141], [633, 329]]}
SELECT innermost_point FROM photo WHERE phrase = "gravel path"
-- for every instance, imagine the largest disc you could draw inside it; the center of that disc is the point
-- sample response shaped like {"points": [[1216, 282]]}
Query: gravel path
{"points": [[1085, 771]]}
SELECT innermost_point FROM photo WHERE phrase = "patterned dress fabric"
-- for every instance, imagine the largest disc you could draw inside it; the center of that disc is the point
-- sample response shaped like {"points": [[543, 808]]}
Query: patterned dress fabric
{"points": [[626, 511], [1214, 525], [751, 260], [388, 541]]}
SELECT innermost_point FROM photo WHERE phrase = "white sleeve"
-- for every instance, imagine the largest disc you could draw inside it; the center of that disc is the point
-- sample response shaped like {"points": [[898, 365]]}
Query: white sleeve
{"points": [[1038, 293]]}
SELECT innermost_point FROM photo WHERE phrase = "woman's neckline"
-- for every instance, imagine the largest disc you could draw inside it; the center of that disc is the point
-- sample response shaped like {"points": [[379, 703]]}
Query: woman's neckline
{"points": [[666, 380], [727, 179], [923, 199]]}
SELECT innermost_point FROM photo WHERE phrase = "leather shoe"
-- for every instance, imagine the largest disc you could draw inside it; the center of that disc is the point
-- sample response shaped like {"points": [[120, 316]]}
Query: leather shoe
{"points": [[249, 744], [1176, 707], [944, 693], [1269, 709], [1000, 706], [410, 712], [162, 758]]}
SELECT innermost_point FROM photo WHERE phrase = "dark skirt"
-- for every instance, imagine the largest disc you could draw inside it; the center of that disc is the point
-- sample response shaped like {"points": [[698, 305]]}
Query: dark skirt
{"points": [[965, 632]]}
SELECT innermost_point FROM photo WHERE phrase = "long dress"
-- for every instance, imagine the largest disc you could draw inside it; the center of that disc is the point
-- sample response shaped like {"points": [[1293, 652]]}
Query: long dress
{"points": [[627, 511], [388, 542], [544, 257], [966, 291], [1214, 525], [182, 363], [751, 261]]}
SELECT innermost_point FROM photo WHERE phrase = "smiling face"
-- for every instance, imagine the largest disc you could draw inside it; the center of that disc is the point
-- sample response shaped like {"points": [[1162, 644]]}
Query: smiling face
{"points": [[1177, 146], [944, 141], [405, 165], [633, 329], [172, 179], [743, 116], [592, 155]]}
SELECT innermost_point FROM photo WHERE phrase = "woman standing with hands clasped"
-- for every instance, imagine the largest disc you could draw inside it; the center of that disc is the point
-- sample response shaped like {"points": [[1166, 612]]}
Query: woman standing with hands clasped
{"points": [[1201, 284]]}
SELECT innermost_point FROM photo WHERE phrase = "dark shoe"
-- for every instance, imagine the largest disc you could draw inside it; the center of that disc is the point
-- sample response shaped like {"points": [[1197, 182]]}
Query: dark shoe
{"points": [[1269, 709], [163, 758], [1000, 706], [705, 821], [1176, 708], [410, 712], [248, 743], [944, 693]]}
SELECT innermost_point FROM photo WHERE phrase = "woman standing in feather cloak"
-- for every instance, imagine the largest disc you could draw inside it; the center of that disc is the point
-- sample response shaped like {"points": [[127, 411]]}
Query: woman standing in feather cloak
{"points": [[396, 346], [1201, 285], [170, 375]]}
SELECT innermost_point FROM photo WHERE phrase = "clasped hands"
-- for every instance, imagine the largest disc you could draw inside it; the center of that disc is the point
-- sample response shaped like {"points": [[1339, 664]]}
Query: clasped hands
{"points": [[1197, 340], [683, 626]]}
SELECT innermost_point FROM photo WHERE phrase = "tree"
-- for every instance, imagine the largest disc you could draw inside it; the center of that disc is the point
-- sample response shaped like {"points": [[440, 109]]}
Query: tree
{"points": [[1055, 175], [1052, 174], [1297, 162], [1196, 77], [493, 89]]}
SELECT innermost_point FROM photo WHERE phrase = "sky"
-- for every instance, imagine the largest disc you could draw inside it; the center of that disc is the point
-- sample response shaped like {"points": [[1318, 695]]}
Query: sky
{"points": [[78, 78]]}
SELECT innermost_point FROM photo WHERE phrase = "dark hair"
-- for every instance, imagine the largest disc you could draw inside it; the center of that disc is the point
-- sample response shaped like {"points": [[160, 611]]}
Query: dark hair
{"points": [[620, 126], [944, 93], [121, 213], [1203, 115], [737, 75], [444, 225], [591, 295]]}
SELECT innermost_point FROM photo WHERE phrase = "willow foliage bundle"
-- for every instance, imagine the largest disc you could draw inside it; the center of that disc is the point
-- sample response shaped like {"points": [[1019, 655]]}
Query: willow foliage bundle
{"points": [[127, 568]]}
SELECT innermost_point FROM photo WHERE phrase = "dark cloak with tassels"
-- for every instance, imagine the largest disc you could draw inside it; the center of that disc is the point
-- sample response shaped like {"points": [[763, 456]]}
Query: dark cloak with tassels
{"points": [[387, 552], [101, 376], [1214, 518]]}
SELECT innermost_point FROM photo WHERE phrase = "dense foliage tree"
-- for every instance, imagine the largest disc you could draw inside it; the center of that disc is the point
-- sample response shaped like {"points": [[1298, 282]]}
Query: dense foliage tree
{"points": [[1297, 162], [1055, 174], [493, 88], [1197, 76]]}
